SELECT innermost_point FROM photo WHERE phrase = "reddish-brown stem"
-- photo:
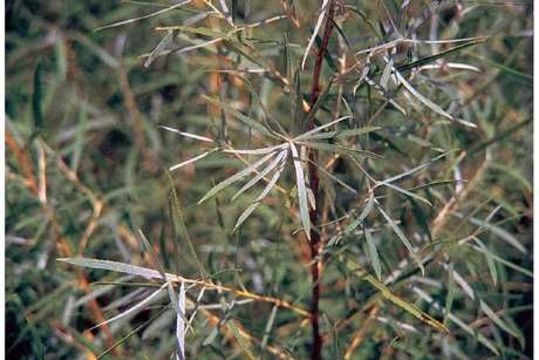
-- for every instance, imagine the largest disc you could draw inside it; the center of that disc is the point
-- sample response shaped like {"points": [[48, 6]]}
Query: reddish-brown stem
{"points": [[316, 264]]}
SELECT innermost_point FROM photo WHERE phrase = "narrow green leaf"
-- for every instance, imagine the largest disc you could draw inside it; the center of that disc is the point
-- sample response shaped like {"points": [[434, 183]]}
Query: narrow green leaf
{"points": [[134, 308], [118, 267], [410, 308], [498, 321], [451, 292], [396, 229], [420, 218], [245, 214], [191, 160], [180, 324], [319, 128], [147, 16], [243, 341], [373, 254], [504, 261], [37, 98], [166, 41], [243, 118], [278, 159], [302, 192], [342, 134], [316, 30], [425, 101], [413, 170], [432, 58], [229, 181], [404, 191], [482, 339]]}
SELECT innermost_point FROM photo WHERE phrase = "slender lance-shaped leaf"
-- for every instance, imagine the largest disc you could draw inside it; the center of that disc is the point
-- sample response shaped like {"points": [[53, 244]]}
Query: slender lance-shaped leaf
{"points": [[389, 295], [316, 30], [37, 98], [496, 230], [167, 39], [133, 309], [338, 149], [434, 107], [186, 134], [191, 160], [262, 173], [490, 260], [342, 134], [260, 151], [503, 261], [482, 339], [236, 177], [501, 324], [320, 128], [413, 170], [272, 181], [302, 192], [180, 324], [247, 212], [373, 254], [404, 191], [468, 290], [147, 16], [243, 118], [385, 75], [396, 229], [440, 55], [116, 266]]}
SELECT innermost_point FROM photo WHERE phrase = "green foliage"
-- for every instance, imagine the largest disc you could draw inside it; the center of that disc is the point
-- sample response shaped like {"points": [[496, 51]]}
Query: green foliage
{"points": [[407, 155]]}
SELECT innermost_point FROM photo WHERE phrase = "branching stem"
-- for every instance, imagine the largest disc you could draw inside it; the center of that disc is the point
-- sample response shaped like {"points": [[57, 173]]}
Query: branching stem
{"points": [[316, 241]]}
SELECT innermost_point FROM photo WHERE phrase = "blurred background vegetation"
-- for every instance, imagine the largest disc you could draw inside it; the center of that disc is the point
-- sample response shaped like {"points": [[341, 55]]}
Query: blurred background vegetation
{"points": [[86, 169]]}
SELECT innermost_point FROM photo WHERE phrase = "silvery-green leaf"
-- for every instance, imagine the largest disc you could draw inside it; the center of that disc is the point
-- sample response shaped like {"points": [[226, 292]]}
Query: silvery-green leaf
{"points": [[316, 30], [373, 254], [320, 128], [278, 158], [191, 160], [245, 214], [180, 324], [186, 134], [229, 181], [133, 309], [302, 192], [396, 229]]}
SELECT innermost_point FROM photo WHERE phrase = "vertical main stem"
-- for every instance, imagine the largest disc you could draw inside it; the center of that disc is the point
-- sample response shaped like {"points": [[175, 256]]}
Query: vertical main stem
{"points": [[316, 263]]}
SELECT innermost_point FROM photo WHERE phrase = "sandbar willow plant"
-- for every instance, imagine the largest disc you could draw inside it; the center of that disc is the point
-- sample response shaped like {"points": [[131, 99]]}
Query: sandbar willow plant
{"points": [[365, 161]]}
